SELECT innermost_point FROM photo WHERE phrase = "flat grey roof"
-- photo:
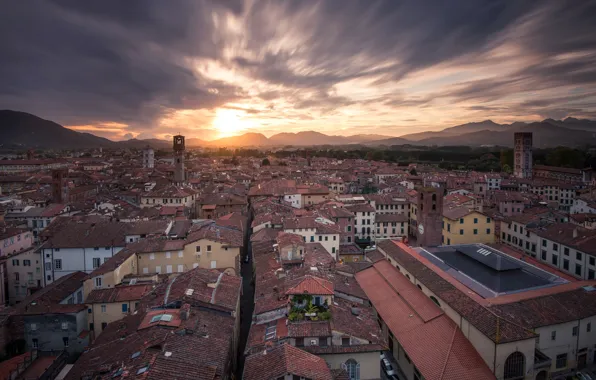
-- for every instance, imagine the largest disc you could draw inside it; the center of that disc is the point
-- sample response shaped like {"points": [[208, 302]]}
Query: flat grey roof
{"points": [[487, 271]]}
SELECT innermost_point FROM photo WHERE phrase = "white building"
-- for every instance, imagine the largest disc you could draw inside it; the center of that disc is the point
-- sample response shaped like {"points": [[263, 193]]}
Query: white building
{"points": [[148, 158]]}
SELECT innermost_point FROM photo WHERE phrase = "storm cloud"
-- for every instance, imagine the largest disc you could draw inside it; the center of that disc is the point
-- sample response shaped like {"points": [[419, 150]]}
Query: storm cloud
{"points": [[153, 68]]}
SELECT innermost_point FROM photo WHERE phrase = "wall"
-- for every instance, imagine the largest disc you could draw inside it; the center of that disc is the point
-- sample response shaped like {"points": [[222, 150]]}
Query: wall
{"points": [[113, 313], [16, 243], [370, 364], [50, 334], [485, 230], [29, 276], [73, 260]]}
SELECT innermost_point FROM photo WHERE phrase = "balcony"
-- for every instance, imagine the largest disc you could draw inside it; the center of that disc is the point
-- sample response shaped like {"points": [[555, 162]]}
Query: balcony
{"points": [[541, 360]]}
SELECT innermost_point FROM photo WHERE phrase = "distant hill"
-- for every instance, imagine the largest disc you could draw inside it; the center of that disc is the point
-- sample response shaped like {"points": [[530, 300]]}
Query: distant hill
{"points": [[21, 129], [141, 144], [545, 135], [486, 125]]}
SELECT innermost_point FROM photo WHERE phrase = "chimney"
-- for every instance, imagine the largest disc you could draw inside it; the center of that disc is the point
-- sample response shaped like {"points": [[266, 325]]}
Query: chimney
{"points": [[575, 233], [185, 312]]}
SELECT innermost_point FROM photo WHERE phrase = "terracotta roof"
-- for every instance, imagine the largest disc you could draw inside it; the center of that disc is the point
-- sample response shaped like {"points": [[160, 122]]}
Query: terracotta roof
{"points": [[44, 299], [311, 285], [282, 360], [118, 294], [431, 339], [193, 348], [308, 329], [209, 288], [211, 231]]}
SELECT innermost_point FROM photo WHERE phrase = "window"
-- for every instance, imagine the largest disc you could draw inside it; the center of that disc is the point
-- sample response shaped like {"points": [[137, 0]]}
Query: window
{"points": [[35, 343], [17, 277], [334, 238], [543, 255], [168, 269], [578, 270], [566, 251], [555, 260], [574, 331], [448, 227], [180, 268], [208, 248], [103, 308], [65, 341], [589, 327], [299, 342], [96, 262], [125, 308], [198, 249], [26, 263], [475, 231], [332, 249], [352, 367], [475, 220], [591, 274], [515, 366], [33, 327], [168, 255], [553, 335], [57, 264], [180, 253], [555, 247], [544, 243], [213, 264], [158, 269], [592, 260], [461, 232], [345, 341], [98, 282], [461, 221], [565, 264], [152, 256], [96, 249], [15, 262], [578, 255], [64, 325], [561, 361], [487, 220]]}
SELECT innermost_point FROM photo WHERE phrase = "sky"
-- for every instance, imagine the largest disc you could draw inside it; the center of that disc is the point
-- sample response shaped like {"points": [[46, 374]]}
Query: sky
{"points": [[211, 69]]}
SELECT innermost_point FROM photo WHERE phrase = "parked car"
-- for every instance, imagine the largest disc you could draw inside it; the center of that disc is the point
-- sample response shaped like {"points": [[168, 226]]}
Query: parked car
{"points": [[387, 367]]}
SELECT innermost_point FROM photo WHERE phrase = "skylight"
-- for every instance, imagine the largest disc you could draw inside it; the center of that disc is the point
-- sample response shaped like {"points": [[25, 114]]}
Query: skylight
{"points": [[161, 317]]}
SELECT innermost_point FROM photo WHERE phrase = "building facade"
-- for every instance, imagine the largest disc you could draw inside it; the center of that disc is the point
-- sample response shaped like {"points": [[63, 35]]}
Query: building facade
{"points": [[523, 155]]}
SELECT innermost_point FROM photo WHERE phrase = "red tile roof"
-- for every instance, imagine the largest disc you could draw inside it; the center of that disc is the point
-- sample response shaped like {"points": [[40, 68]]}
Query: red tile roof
{"points": [[431, 339], [118, 294], [282, 360], [312, 285]]}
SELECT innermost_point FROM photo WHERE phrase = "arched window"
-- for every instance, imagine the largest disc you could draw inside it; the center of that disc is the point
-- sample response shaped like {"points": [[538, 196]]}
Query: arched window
{"points": [[435, 300], [353, 368], [434, 197], [515, 366]]}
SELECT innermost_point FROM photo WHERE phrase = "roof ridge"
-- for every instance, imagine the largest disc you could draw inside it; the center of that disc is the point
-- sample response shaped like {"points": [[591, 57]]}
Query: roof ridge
{"points": [[449, 351]]}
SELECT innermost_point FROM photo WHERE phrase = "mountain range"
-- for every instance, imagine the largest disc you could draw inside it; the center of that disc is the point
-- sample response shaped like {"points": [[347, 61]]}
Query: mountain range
{"points": [[23, 130]]}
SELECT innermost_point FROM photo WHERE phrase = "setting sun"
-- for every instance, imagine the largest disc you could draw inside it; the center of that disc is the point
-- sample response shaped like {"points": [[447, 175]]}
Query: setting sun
{"points": [[228, 122]]}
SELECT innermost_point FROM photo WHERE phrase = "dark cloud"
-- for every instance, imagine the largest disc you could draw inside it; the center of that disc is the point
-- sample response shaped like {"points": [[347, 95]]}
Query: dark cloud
{"points": [[80, 62], [134, 61]]}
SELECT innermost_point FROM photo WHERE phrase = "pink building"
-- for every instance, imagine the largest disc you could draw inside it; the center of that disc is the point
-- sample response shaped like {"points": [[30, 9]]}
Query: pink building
{"points": [[13, 240]]}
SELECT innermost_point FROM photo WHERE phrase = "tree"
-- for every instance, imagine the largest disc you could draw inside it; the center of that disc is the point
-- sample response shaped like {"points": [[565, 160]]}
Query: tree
{"points": [[507, 169], [265, 162]]}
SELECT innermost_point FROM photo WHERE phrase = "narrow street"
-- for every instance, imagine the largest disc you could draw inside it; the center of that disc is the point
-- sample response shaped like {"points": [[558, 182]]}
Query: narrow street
{"points": [[246, 302]]}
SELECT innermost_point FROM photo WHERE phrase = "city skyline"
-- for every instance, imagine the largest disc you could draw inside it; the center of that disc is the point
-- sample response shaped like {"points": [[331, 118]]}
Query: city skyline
{"points": [[217, 69]]}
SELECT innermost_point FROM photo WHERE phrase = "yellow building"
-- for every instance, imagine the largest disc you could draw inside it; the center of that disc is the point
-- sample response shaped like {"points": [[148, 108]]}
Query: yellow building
{"points": [[464, 226], [108, 305]]}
